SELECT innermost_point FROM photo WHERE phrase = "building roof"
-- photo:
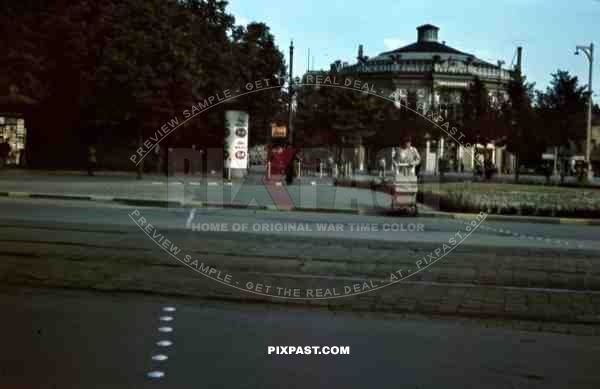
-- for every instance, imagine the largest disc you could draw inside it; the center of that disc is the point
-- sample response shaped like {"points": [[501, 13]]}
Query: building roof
{"points": [[427, 42], [426, 51], [428, 27], [426, 47]]}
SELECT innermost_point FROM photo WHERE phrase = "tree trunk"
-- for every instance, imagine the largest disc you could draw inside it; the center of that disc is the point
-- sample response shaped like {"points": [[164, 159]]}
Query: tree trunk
{"points": [[140, 165], [516, 168]]}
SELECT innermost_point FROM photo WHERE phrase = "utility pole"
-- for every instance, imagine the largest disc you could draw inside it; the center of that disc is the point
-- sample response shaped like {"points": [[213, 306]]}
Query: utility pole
{"points": [[589, 52], [291, 94]]}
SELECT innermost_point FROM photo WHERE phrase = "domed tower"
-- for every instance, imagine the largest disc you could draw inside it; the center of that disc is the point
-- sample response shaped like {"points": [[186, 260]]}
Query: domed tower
{"points": [[427, 33]]}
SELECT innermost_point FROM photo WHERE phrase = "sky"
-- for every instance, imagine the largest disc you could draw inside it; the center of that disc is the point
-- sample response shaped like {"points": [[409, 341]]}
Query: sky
{"points": [[548, 30]]}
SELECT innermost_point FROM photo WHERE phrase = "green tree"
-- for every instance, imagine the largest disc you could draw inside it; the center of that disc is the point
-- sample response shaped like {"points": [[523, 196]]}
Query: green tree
{"points": [[51, 52], [145, 72], [116, 71], [523, 137], [479, 119], [258, 61], [562, 110], [340, 116]]}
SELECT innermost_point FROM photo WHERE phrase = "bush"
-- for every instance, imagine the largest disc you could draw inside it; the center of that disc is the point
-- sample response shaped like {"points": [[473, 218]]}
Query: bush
{"points": [[581, 204]]}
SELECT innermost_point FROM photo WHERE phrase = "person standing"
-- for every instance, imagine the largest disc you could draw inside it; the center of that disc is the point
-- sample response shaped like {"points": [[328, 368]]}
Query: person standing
{"points": [[158, 158], [381, 167], [410, 156], [331, 166], [92, 161], [170, 162], [4, 152]]}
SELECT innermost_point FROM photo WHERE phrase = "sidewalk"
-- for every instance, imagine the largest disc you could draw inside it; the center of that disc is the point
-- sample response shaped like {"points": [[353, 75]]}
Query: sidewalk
{"points": [[304, 194], [346, 195]]}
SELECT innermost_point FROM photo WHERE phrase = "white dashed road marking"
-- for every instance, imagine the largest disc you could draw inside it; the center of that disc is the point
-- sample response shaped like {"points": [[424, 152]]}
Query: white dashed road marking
{"points": [[157, 374], [189, 221], [522, 236]]}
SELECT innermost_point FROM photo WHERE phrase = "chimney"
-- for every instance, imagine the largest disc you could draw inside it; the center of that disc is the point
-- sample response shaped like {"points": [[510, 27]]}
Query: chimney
{"points": [[360, 53], [519, 59], [427, 33], [336, 66]]}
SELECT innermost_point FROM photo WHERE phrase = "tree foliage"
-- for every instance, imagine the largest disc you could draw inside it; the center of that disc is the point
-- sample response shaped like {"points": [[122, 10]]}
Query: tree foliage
{"points": [[523, 138], [480, 120], [259, 61], [338, 115], [109, 71], [562, 110]]}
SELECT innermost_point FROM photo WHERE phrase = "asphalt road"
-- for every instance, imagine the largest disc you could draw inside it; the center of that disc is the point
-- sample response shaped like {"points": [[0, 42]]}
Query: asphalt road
{"points": [[68, 339], [75, 339], [98, 216], [105, 246]]}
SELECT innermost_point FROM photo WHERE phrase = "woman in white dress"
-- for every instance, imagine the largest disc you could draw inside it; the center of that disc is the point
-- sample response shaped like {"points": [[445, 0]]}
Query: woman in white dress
{"points": [[407, 158]]}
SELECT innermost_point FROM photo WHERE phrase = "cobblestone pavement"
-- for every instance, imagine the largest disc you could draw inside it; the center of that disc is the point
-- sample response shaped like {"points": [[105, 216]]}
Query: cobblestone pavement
{"points": [[74, 245]]}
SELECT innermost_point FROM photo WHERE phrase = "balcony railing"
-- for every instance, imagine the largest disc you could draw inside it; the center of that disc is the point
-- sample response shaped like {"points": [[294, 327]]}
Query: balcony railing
{"points": [[459, 68]]}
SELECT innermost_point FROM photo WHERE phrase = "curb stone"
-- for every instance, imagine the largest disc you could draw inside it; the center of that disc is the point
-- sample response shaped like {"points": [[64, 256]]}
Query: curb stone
{"points": [[511, 218], [359, 211], [193, 204]]}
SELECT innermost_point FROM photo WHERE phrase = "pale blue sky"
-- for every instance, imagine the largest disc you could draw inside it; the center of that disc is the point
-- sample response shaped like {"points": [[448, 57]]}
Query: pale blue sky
{"points": [[548, 30]]}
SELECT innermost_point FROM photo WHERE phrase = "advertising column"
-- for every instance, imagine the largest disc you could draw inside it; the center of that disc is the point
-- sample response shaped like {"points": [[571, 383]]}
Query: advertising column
{"points": [[236, 142]]}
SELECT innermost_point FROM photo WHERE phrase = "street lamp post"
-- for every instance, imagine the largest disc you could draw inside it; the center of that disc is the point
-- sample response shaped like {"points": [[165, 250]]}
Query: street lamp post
{"points": [[291, 95], [589, 52]]}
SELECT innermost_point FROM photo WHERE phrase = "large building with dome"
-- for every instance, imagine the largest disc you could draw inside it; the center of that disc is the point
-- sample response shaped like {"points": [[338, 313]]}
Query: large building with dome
{"points": [[436, 74], [434, 70]]}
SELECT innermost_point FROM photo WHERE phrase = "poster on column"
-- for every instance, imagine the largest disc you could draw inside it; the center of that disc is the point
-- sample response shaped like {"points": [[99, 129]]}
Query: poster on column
{"points": [[236, 139]]}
